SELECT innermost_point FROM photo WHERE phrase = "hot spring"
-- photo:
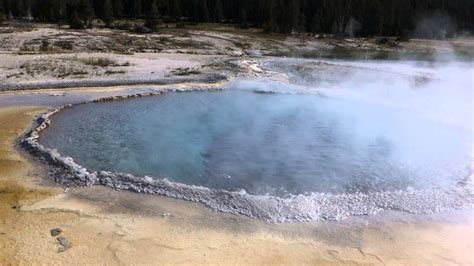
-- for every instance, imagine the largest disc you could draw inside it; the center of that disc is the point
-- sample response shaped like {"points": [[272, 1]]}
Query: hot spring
{"points": [[269, 144]]}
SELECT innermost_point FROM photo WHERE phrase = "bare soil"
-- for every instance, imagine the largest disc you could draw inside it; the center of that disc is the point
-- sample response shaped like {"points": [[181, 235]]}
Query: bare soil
{"points": [[42, 55]]}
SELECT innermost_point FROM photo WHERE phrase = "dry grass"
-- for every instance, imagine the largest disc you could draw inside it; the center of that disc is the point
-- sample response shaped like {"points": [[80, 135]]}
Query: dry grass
{"points": [[99, 62], [113, 72], [185, 72], [52, 69], [102, 62]]}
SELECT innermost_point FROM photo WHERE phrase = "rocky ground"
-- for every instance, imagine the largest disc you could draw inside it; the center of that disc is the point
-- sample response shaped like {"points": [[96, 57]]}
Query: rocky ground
{"points": [[45, 55]]}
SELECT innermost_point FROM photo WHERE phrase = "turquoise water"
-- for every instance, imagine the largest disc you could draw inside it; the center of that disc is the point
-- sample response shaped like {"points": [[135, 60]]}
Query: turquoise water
{"points": [[275, 144]]}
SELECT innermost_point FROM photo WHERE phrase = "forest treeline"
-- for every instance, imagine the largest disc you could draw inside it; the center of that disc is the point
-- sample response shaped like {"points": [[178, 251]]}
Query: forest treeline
{"points": [[424, 18]]}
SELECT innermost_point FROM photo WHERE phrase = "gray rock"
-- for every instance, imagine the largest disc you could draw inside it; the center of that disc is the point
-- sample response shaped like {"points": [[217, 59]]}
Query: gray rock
{"points": [[64, 242], [56, 231]]}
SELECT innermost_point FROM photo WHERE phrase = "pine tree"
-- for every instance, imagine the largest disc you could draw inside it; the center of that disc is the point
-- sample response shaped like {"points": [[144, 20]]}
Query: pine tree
{"points": [[57, 10], [118, 8], [72, 16], [290, 23], [218, 15], [243, 16], [301, 27], [315, 24], [137, 8], [2, 12], [203, 11], [7, 8], [194, 12], [270, 24], [370, 17], [152, 17], [86, 12], [174, 9], [18, 9], [243, 19], [282, 17], [107, 13]]}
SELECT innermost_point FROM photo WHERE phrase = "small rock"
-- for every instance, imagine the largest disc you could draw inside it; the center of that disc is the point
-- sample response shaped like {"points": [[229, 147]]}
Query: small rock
{"points": [[64, 242], [56, 231], [119, 233], [167, 214]]}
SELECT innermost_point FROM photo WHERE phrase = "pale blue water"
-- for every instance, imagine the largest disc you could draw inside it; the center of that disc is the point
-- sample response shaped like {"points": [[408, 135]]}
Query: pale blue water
{"points": [[264, 143]]}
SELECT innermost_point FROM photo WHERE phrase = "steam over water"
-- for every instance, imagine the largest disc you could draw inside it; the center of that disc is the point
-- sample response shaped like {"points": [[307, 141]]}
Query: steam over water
{"points": [[378, 128]]}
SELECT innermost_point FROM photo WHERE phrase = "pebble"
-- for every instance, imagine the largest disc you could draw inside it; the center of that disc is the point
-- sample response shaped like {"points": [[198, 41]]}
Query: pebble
{"points": [[56, 231], [64, 242]]}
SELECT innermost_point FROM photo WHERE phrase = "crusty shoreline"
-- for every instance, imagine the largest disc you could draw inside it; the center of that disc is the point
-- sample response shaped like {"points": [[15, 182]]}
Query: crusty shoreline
{"points": [[298, 208], [209, 78]]}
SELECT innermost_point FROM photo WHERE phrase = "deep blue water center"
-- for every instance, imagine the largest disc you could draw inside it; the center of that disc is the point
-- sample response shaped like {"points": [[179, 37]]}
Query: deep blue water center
{"points": [[275, 144]]}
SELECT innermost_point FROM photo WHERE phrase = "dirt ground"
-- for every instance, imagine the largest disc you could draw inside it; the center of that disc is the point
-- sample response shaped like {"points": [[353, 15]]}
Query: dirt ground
{"points": [[40, 55]]}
